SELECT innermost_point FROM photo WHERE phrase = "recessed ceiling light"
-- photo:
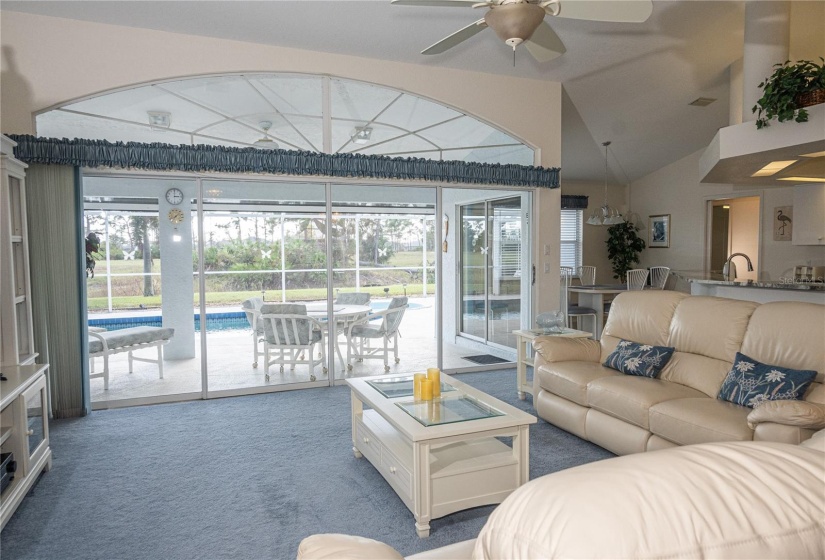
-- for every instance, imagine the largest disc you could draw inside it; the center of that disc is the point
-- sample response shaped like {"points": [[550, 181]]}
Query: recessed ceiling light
{"points": [[815, 154], [774, 167], [702, 101], [726, 206], [803, 179], [159, 120]]}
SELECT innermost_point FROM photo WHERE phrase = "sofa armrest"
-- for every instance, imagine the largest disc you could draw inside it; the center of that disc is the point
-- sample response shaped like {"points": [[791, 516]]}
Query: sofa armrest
{"points": [[555, 349], [803, 414], [334, 546]]}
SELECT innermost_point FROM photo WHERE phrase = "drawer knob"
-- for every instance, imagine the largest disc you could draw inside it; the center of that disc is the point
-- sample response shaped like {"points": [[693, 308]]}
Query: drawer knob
{"points": [[392, 470], [29, 432], [366, 440]]}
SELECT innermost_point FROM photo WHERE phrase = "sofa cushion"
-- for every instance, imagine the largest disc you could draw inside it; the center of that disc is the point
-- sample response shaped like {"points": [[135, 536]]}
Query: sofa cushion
{"points": [[698, 372], [629, 397], [643, 317], [689, 421], [751, 382], [719, 500], [789, 334], [710, 326], [632, 358], [570, 379]]}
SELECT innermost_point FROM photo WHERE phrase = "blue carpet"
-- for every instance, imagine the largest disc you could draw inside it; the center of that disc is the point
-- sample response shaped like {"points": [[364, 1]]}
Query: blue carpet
{"points": [[244, 477]]}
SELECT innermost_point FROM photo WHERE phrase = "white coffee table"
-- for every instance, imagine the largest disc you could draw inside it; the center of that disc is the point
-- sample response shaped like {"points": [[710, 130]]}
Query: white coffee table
{"points": [[440, 469]]}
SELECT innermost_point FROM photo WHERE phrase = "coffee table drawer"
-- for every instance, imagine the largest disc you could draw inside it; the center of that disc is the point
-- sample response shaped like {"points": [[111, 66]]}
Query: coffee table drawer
{"points": [[395, 471], [368, 444]]}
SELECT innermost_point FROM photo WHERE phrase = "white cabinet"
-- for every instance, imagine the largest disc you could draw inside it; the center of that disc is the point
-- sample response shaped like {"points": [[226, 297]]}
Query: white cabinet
{"points": [[24, 431], [809, 215], [16, 329]]}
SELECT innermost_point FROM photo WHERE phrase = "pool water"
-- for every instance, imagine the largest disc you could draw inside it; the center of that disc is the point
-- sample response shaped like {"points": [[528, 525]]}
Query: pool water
{"points": [[228, 321]]}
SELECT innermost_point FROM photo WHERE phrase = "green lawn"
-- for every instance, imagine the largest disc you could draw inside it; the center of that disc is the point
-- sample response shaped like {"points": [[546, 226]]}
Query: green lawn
{"points": [[99, 304]]}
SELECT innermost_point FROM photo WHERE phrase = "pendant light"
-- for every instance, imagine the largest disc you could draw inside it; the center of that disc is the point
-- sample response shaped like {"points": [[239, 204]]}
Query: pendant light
{"points": [[606, 215]]}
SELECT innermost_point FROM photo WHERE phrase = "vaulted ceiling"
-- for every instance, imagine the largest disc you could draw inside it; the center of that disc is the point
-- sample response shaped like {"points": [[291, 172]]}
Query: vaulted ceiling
{"points": [[624, 82]]}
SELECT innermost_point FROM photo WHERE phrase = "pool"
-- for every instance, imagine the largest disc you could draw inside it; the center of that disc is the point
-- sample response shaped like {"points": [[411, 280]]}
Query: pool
{"points": [[227, 321]]}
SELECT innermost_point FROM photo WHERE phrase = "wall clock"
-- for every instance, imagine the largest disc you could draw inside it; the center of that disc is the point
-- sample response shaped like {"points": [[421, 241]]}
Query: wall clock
{"points": [[174, 196], [175, 216]]}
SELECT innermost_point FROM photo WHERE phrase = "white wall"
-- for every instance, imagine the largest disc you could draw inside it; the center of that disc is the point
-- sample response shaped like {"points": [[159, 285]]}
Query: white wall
{"points": [[675, 189]]}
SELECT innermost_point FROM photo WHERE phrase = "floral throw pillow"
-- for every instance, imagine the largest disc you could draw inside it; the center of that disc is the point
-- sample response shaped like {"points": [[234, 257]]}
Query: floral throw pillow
{"points": [[750, 383], [633, 358]]}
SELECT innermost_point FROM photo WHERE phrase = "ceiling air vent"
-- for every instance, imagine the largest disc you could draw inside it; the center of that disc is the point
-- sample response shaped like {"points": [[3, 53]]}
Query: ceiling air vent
{"points": [[702, 101]]}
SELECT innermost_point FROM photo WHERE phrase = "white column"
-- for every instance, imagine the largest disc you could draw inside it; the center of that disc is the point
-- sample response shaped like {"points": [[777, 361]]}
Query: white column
{"points": [[178, 297], [767, 36], [357, 253]]}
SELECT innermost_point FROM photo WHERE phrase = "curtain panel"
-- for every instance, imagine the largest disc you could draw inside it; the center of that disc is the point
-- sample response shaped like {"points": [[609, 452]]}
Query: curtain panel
{"points": [[202, 158], [53, 210], [573, 202]]}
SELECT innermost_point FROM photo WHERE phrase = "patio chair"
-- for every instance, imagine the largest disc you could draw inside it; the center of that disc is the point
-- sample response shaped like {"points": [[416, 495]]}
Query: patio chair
{"points": [[252, 308], [290, 335], [361, 332], [353, 298], [636, 279], [658, 277], [103, 343]]}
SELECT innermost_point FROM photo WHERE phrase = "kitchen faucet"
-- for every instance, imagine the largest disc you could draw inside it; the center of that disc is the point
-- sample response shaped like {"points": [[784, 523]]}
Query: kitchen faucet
{"points": [[729, 270]]}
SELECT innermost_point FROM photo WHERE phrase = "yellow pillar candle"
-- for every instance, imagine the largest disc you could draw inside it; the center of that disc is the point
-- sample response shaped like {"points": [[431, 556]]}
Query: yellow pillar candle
{"points": [[417, 379], [426, 390], [434, 375]]}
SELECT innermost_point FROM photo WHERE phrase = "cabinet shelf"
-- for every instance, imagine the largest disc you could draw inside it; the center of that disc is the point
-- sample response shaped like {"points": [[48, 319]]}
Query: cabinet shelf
{"points": [[20, 299], [17, 239]]}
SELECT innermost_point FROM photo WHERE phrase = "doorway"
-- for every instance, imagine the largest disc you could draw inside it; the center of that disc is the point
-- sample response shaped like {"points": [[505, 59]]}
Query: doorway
{"points": [[734, 228]]}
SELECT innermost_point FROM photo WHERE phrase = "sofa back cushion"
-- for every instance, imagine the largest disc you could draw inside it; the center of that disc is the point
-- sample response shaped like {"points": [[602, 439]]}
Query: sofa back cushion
{"points": [[642, 317], [790, 334], [706, 332]]}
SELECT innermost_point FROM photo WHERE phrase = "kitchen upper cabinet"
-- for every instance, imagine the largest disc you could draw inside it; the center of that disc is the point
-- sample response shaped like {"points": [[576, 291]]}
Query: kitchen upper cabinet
{"points": [[809, 215]]}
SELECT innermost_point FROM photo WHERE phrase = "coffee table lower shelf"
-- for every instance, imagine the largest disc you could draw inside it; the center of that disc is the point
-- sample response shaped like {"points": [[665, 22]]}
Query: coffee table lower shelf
{"points": [[440, 476]]}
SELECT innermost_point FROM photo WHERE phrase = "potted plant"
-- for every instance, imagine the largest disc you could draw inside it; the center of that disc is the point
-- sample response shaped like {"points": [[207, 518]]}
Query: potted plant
{"points": [[92, 249], [788, 90], [623, 248]]}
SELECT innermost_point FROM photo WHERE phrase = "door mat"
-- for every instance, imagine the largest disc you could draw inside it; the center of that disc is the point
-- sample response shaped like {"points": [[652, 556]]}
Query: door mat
{"points": [[486, 359]]}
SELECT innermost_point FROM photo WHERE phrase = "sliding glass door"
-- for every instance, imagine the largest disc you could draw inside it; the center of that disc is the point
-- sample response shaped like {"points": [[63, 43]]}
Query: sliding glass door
{"points": [[493, 269]]}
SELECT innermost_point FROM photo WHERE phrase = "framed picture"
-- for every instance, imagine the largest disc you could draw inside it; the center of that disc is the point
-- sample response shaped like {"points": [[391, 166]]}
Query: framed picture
{"points": [[783, 223], [659, 230]]}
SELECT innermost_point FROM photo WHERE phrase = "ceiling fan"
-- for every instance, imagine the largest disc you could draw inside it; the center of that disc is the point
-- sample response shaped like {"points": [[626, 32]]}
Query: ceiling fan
{"points": [[522, 21]]}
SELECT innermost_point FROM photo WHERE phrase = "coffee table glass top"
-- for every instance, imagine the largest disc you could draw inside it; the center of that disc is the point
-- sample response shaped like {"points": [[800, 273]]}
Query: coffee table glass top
{"points": [[448, 410], [393, 387]]}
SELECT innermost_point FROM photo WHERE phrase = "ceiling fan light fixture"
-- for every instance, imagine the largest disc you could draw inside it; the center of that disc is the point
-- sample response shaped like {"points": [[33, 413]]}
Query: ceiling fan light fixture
{"points": [[266, 143], [514, 23], [361, 134]]}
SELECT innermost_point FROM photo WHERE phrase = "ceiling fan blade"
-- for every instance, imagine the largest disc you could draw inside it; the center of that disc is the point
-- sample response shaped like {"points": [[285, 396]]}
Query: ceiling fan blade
{"points": [[443, 3], [629, 11], [456, 38], [544, 44]]}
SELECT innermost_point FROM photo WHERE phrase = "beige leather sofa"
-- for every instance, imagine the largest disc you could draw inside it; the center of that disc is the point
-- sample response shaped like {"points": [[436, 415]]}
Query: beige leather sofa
{"points": [[715, 500], [627, 414]]}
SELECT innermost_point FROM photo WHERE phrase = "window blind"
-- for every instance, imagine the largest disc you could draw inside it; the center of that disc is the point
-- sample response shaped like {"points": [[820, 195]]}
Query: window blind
{"points": [[571, 238]]}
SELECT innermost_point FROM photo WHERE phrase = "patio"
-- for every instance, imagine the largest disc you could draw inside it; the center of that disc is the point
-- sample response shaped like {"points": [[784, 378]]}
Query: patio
{"points": [[230, 356]]}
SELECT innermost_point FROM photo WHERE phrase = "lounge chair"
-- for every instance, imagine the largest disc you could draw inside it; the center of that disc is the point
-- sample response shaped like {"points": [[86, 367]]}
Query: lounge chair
{"points": [[107, 343]]}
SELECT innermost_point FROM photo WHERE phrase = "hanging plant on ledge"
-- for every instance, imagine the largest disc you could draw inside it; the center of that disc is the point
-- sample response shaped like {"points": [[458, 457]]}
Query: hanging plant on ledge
{"points": [[623, 248], [92, 249], [790, 89]]}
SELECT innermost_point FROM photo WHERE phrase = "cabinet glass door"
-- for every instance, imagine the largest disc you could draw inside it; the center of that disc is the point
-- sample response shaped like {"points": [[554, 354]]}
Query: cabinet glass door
{"points": [[37, 430]]}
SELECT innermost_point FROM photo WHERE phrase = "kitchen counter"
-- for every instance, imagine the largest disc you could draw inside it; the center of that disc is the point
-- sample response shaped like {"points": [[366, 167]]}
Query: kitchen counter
{"points": [[763, 291]]}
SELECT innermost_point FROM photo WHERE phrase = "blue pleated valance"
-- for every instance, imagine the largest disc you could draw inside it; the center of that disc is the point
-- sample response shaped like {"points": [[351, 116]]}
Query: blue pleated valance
{"points": [[573, 202], [203, 158]]}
